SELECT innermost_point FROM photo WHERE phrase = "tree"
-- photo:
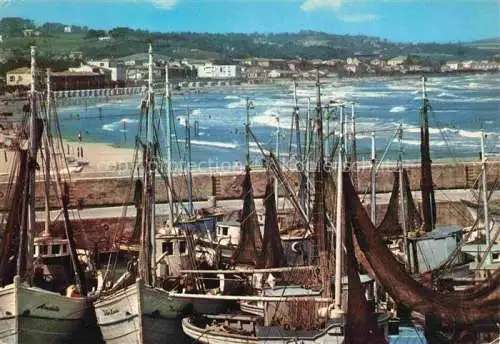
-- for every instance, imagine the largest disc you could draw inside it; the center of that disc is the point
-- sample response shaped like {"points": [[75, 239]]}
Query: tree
{"points": [[121, 32], [14, 26], [95, 34], [52, 28]]}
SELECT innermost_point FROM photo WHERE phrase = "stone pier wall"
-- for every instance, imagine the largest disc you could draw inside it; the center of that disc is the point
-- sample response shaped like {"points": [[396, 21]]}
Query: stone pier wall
{"points": [[112, 191]]}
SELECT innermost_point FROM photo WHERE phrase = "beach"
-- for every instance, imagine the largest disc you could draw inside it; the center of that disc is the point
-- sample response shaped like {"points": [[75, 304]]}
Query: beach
{"points": [[97, 157]]}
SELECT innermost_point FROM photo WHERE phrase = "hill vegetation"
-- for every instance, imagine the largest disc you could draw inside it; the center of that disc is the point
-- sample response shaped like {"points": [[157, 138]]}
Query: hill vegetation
{"points": [[57, 46]]}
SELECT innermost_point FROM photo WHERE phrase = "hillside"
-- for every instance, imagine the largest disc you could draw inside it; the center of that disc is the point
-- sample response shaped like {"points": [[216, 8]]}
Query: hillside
{"points": [[55, 44], [492, 44]]}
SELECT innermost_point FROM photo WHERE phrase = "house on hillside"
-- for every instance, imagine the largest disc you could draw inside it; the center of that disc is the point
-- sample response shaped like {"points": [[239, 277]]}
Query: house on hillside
{"points": [[116, 68], [67, 29], [396, 61], [354, 61], [19, 77], [212, 71]]}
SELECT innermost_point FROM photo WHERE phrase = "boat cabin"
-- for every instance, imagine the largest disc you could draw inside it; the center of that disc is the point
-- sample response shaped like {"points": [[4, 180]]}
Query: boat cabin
{"points": [[172, 254], [430, 250], [228, 233], [47, 247]]}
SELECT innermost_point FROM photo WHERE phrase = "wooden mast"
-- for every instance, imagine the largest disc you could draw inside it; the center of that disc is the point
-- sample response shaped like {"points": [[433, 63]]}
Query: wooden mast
{"points": [[319, 195], [168, 122], [426, 183], [485, 198], [33, 148], [338, 223], [47, 143], [147, 254]]}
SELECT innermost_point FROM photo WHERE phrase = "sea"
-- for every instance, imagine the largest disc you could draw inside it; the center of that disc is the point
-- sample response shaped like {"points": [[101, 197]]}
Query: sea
{"points": [[461, 106]]}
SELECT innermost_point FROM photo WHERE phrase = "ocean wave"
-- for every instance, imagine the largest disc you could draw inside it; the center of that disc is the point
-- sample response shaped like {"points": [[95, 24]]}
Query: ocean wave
{"points": [[416, 129], [470, 134], [433, 143], [398, 109], [236, 105], [119, 125], [232, 97], [215, 144], [445, 111], [447, 95]]}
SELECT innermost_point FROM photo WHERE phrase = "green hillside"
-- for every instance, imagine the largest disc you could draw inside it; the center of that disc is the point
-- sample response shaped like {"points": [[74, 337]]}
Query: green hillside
{"points": [[54, 44]]}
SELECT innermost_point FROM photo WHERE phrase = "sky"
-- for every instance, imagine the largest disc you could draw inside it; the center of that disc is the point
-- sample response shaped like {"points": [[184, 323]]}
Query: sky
{"points": [[397, 20]]}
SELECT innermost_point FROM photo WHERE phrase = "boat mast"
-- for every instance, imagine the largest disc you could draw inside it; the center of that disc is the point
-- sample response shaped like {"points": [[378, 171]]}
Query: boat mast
{"points": [[276, 182], [188, 150], [320, 198], [353, 156], [426, 184], [402, 200], [168, 118], [307, 156], [338, 222], [33, 144], [374, 181], [147, 253], [46, 232], [298, 153], [249, 105], [485, 197]]}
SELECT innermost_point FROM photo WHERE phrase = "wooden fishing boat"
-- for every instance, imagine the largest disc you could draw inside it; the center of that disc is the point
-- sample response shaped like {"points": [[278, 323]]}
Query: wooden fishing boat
{"points": [[139, 308], [40, 299]]}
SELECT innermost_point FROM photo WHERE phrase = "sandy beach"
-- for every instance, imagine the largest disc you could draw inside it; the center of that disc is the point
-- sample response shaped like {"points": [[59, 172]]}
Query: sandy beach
{"points": [[97, 157]]}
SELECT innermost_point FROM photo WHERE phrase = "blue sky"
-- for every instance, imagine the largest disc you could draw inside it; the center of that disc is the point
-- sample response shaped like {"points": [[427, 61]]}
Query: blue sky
{"points": [[396, 20]]}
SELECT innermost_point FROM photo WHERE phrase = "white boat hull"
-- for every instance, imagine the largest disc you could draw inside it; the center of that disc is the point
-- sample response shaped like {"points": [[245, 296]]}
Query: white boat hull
{"points": [[330, 335], [32, 315], [141, 314]]}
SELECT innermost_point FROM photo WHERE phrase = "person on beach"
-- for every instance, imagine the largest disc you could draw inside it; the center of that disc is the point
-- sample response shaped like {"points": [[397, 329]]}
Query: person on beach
{"points": [[79, 149]]}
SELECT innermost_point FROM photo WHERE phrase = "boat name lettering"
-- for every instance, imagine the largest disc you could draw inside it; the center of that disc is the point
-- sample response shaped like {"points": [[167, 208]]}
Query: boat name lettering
{"points": [[110, 311], [48, 308]]}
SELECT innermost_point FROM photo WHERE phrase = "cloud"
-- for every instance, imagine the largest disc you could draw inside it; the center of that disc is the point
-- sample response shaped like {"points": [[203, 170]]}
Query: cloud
{"points": [[165, 4], [311, 5], [358, 18], [162, 4]]}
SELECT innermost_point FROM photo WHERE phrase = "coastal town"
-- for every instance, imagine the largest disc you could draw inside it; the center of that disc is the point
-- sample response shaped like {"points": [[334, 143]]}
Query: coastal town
{"points": [[132, 70]]}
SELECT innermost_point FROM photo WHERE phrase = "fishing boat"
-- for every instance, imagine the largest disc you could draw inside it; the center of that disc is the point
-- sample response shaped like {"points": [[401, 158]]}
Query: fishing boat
{"points": [[42, 287], [138, 308], [296, 318]]}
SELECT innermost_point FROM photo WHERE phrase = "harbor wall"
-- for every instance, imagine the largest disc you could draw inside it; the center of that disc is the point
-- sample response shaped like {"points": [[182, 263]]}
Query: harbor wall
{"points": [[115, 191], [99, 234]]}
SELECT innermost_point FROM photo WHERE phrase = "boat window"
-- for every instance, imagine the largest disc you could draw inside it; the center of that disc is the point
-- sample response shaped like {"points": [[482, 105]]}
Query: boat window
{"points": [[55, 249], [225, 230], [167, 247], [495, 257], [44, 249], [182, 247]]}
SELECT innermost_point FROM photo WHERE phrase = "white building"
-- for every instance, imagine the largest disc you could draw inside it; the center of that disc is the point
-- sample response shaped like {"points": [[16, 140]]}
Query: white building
{"points": [[353, 61], [210, 71], [67, 29], [453, 65], [396, 61], [274, 74], [117, 68]]}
